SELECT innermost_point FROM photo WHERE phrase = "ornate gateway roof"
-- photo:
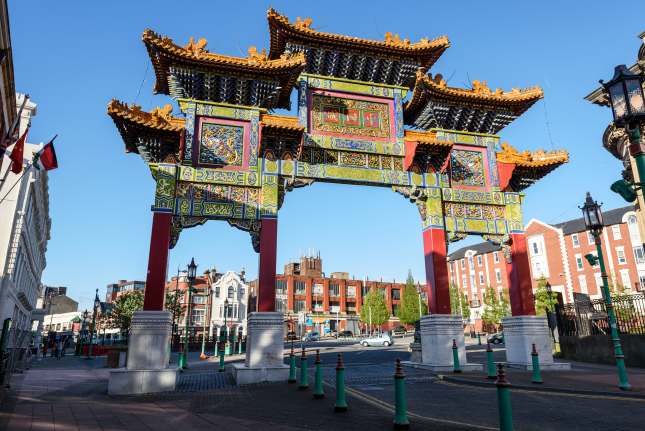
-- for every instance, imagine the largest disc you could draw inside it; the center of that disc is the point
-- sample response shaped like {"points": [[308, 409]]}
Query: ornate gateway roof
{"points": [[520, 170], [424, 150], [193, 72], [390, 61], [153, 135], [435, 105]]}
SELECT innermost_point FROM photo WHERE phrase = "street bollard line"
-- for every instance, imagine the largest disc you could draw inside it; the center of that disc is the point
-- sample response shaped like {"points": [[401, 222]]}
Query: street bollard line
{"points": [[319, 393], [341, 403], [504, 400], [455, 357], [400, 403], [535, 364]]}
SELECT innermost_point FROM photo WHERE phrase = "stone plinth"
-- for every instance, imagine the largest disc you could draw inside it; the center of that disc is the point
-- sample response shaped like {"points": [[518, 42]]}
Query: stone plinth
{"points": [[437, 333], [415, 352], [520, 333], [264, 350], [148, 356]]}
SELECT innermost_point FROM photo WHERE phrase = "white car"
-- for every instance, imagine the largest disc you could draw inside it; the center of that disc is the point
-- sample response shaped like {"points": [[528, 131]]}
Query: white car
{"points": [[377, 340]]}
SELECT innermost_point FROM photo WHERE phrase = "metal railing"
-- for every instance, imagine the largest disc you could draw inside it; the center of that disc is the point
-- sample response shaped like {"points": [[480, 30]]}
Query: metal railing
{"points": [[584, 318]]}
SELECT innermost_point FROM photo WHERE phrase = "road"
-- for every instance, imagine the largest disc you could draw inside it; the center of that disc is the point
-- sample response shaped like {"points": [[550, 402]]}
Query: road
{"points": [[369, 376]]}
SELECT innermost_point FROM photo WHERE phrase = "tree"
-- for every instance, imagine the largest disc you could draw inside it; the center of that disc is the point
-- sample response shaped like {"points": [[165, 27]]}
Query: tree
{"points": [[174, 304], [545, 299], [465, 307], [496, 307], [455, 300], [374, 310], [124, 308], [408, 311]]}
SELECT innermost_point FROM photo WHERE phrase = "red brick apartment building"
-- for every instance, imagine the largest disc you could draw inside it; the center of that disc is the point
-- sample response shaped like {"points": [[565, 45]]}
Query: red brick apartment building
{"points": [[556, 252], [333, 301]]}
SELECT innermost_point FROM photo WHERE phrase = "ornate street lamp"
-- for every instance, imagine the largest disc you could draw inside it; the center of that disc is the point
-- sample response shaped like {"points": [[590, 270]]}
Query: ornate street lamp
{"points": [[97, 304], [625, 92], [192, 274], [592, 215], [203, 355]]}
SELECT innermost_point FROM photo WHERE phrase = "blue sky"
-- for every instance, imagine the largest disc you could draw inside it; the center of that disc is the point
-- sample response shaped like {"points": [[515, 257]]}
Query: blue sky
{"points": [[72, 57]]}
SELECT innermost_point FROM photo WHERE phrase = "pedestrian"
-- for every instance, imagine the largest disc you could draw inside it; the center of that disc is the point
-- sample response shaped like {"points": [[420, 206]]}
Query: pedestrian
{"points": [[45, 349], [59, 348]]}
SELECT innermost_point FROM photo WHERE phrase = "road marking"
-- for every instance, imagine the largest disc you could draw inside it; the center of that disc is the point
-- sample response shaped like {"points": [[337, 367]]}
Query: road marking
{"points": [[548, 393], [390, 408]]}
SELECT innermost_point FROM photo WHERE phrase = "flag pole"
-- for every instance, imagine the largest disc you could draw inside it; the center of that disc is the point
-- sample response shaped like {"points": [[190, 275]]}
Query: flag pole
{"points": [[17, 181]]}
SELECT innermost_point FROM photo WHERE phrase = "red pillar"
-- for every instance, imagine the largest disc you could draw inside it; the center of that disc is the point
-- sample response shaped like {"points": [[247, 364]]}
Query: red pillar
{"points": [[519, 278], [434, 249], [266, 266], [157, 262]]}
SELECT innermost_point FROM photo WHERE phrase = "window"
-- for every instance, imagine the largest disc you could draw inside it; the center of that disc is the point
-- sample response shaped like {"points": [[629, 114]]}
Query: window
{"points": [[624, 278], [615, 231], [299, 306], [590, 239], [317, 289], [231, 292], [481, 278], [575, 240], [535, 247], [496, 257], [300, 287], [620, 255], [639, 256], [498, 275], [216, 291], [197, 317], [463, 264], [598, 278], [479, 260], [396, 294], [334, 289], [351, 291], [641, 279], [579, 264], [317, 306], [240, 292], [280, 287], [199, 299], [582, 281]]}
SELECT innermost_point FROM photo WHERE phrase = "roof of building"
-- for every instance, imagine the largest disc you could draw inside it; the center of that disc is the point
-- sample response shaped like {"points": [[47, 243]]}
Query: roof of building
{"points": [[609, 218], [478, 109], [277, 75], [530, 166], [391, 61], [479, 248]]}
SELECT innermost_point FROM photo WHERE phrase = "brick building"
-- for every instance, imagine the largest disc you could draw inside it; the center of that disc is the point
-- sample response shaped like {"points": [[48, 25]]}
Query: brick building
{"points": [[329, 302], [114, 290], [556, 253]]}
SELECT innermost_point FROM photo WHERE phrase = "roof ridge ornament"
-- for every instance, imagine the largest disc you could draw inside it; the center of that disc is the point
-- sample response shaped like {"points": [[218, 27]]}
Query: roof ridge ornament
{"points": [[303, 23], [196, 48], [395, 39], [254, 55]]}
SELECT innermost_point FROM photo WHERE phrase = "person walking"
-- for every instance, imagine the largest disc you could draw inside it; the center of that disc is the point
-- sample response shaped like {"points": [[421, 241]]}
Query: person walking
{"points": [[45, 343]]}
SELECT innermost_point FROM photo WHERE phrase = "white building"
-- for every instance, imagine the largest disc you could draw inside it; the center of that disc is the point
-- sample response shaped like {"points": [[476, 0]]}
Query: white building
{"points": [[229, 287], [24, 232]]}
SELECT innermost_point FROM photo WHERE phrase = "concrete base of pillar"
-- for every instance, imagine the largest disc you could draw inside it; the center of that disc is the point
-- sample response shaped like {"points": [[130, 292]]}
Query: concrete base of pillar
{"points": [[520, 333], [437, 332], [415, 352], [264, 350], [148, 356]]}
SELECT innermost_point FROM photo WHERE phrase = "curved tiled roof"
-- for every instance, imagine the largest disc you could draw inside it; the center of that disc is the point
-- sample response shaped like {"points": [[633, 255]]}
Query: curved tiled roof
{"points": [[164, 52], [530, 166], [426, 88], [158, 118], [281, 122], [425, 137], [425, 51]]}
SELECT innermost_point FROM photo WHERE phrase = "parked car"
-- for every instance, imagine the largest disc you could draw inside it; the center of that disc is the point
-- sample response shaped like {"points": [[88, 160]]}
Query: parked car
{"points": [[399, 330], [377, 340], [497, 338], [311, 336], [345, 334], [291, 336]]}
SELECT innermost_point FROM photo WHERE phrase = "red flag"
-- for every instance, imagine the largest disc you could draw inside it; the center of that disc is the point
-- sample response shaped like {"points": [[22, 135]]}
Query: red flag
{"points": [[17, 152], [46, 158]]}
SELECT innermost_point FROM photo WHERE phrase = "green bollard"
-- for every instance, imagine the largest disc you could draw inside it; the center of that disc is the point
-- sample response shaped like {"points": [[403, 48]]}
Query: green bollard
{"points": [[304, 375], [319, 393], [221, 359], [479, 339], [341, 403], [504, 400], [490, 365], [292, 367], [401, 421], [535, 361], [239, 346], [455, 357]]}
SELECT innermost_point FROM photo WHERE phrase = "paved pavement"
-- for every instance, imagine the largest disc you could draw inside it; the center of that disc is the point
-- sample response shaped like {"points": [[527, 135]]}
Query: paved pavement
{"points": [[70, 394]]}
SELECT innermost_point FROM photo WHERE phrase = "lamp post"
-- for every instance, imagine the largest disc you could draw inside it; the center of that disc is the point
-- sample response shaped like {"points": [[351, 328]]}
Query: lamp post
{"points": [[192, 270], [81, 332], [203, 356], [225, 337], [97, 304], [592, 215], [625, 92]]}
